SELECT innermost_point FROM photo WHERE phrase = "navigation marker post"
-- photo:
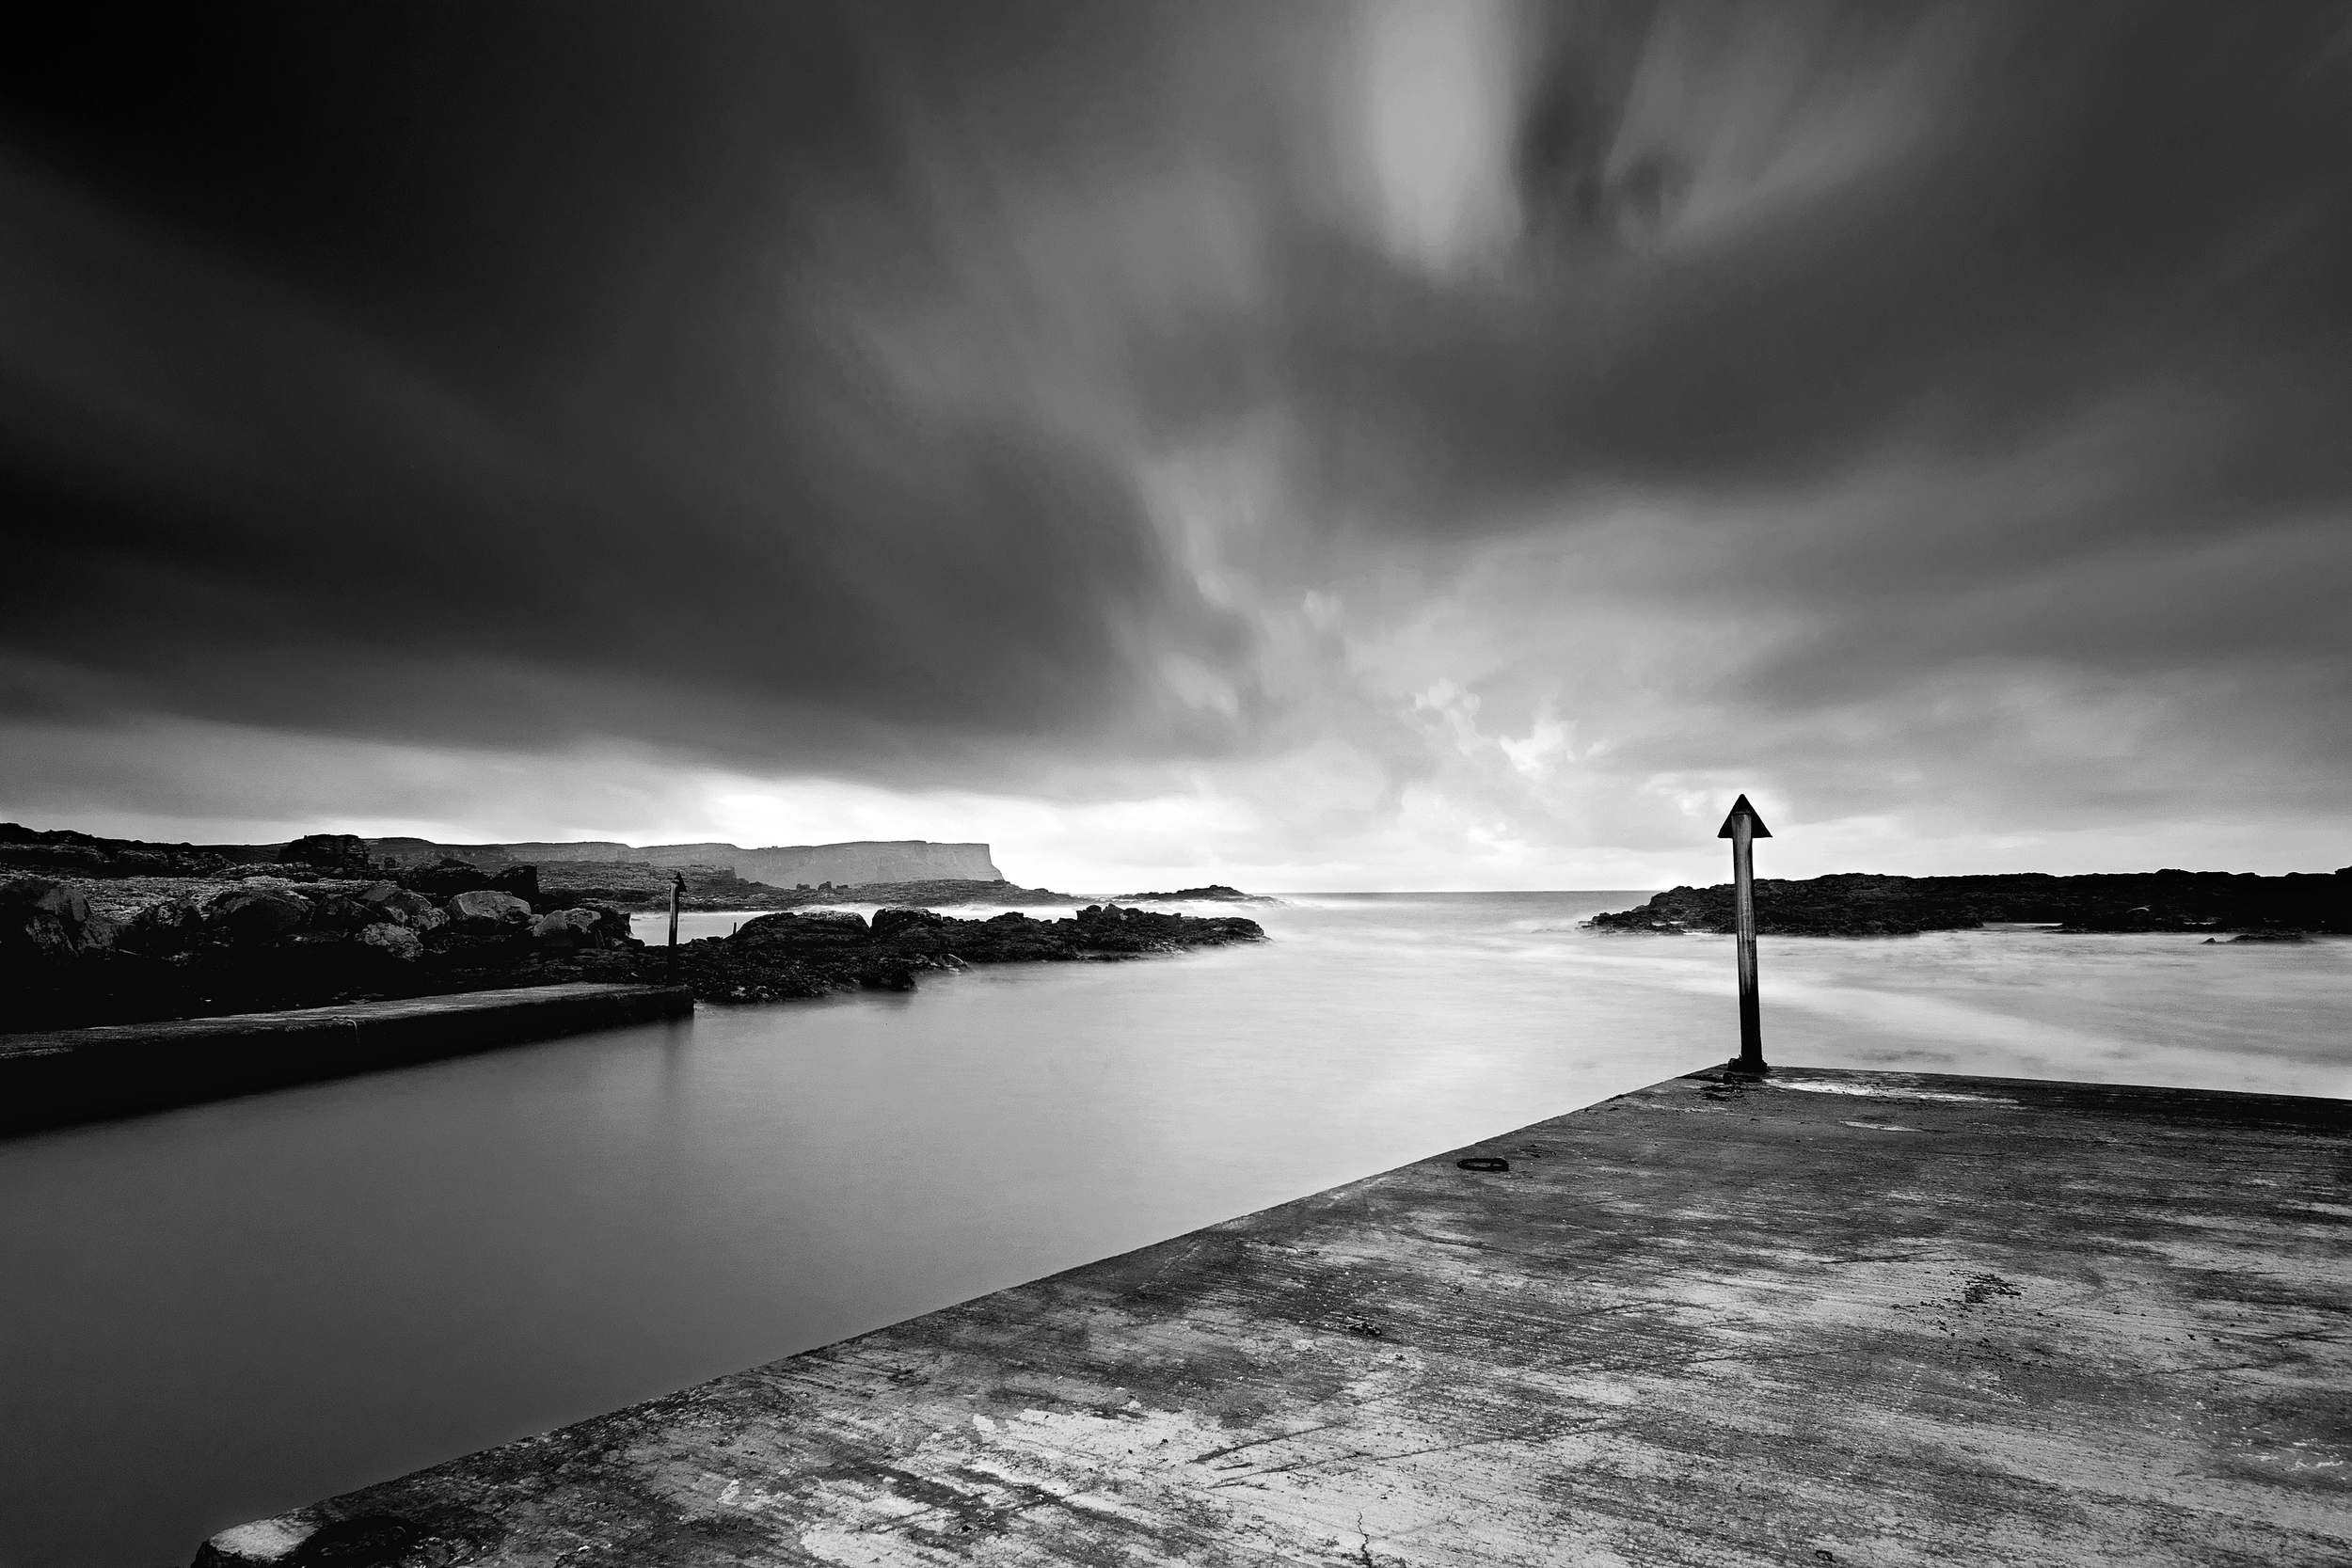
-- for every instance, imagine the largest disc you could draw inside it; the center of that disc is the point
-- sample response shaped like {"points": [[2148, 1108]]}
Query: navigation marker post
{"points": [[677, 891], [1744, 827]]}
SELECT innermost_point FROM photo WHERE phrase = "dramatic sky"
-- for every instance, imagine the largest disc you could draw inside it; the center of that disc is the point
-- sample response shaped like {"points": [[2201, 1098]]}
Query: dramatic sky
{"points": [[1343, 444]]}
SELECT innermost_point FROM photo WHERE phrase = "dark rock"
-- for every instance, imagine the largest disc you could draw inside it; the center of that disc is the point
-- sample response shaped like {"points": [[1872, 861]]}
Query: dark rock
{"points": [[1858, 904], [65, 852], [781, 956], [446, 878], [520, 880], [41, 923], [389, 901], [161, 929], [817, 931], [889, 973], [1215, 893], [400, 941], [484, 910], [256, 913], [611, 926], [341, 854], [565, 930], [335, 912], [59, 860]]}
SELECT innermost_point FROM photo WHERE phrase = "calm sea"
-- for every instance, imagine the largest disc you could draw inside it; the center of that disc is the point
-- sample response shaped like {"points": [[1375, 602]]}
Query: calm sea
{"points": [[216, 1313]]}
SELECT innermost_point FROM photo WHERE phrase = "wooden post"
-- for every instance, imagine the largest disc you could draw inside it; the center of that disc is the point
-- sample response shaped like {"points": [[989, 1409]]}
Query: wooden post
{"points": [[678, 889], [1744, 827]]}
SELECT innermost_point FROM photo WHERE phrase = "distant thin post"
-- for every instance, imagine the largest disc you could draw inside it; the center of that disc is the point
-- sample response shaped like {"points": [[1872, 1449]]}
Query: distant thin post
{"points": [[677, 891], [1744, 827]]}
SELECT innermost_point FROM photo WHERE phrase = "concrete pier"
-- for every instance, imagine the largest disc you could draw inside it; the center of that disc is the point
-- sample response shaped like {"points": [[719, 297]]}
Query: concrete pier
{"points": [[1833, 1317], [51, 1079]]}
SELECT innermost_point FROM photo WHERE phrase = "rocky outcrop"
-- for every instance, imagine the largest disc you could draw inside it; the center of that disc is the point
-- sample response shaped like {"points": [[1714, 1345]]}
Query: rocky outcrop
{"points": [[63, 852], [778, 956], [179, 947], [1215, 893], [1859, 904], [447, 877], [335, 854]]}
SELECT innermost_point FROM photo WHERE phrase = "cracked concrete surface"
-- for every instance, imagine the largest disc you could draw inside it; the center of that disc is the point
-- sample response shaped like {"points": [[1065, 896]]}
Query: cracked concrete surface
{"points": [[1840, 1317]]}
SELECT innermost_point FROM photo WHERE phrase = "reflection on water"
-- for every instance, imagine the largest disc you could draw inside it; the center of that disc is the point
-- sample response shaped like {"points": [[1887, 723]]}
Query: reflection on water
{"points": [[218, 1312]]}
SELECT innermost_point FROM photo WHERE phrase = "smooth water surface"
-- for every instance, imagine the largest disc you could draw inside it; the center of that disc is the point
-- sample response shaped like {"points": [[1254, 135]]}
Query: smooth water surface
{"points": [[213, 1314]]}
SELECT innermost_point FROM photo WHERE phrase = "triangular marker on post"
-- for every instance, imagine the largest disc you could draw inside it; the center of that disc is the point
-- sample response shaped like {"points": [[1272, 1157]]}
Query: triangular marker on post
{"points": [[1741, 808], [1744, 827]]}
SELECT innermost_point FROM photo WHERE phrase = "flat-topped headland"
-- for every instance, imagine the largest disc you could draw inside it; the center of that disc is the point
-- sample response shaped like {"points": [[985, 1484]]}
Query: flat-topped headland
{"points": [[861, 861], [1860, 904], [161, 931]]}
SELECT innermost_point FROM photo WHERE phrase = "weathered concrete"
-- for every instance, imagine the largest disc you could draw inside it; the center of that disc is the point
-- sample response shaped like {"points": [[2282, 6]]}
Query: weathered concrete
{"points": [[71, 1076], [1840, 1317]]}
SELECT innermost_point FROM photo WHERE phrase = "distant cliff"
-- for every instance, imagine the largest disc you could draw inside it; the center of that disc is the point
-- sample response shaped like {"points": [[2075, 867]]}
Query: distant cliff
{"points": [[910, 859]]}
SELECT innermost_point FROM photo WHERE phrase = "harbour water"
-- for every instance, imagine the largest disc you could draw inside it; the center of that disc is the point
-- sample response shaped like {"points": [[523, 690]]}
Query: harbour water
{"points": [[217, 1312]]}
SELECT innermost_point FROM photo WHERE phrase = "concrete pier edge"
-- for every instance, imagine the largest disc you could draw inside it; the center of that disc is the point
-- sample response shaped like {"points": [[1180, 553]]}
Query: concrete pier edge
{"points": [[68, 1076], [1831, 1317]]}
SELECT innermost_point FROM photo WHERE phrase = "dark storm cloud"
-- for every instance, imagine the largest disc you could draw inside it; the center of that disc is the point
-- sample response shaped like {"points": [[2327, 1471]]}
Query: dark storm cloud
{"points": [[782, 381], [497, 371]]}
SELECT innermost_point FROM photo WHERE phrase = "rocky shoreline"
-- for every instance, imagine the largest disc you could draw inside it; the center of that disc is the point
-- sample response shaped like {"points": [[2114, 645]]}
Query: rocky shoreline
{"points": [[1857, 903], [778, 956], [327, 923]]}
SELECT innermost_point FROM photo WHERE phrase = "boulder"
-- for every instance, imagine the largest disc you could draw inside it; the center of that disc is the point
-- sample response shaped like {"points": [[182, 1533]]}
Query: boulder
{"points": [[162, 930], [40, 892], [816, 931], [483, 910], [335, 912], [400, 906], [890, 922], [611, 926], [256, 912], [398, 941], [566, 930], [39, 921]]}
